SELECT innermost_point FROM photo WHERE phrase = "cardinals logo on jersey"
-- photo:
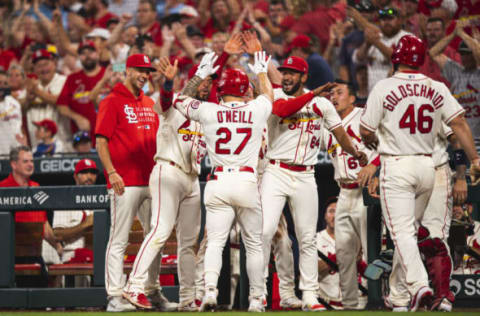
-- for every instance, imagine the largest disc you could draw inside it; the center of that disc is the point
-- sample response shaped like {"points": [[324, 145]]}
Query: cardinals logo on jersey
{"points": [[186, 132]]}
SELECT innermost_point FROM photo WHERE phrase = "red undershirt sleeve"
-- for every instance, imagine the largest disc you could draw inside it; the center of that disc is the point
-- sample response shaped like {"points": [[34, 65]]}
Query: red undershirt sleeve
{"points": [[285, 108]]}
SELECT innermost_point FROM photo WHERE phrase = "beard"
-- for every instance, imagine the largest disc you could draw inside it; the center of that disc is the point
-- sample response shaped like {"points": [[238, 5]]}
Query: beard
{"points": [[293, 89], [89, 64]]}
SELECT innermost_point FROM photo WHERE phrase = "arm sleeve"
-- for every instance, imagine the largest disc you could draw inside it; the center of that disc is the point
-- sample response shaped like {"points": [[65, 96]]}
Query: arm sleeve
{"points": [[166, 96], [285, 108], [189, 107], [106, 119], [65, 94], [221, 61], [373, 111]]}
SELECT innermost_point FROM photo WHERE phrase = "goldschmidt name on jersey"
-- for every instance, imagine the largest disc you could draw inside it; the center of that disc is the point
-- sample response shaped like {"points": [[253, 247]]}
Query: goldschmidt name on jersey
{"points": [[407, 90]]}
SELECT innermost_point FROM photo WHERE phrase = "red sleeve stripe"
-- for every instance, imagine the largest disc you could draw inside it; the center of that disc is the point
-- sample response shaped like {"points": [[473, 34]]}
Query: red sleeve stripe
{"points": [[371, 129], [454, 115], [334, 127]]}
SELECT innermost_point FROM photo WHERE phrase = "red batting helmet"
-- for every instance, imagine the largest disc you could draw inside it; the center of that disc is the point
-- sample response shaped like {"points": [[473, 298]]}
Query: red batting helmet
{"points": [[409, 51], [233, 82]]}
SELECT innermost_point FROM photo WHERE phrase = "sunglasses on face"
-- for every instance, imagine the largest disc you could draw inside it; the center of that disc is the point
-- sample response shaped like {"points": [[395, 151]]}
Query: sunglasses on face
{"points": [[81, 136], [387, 13]]}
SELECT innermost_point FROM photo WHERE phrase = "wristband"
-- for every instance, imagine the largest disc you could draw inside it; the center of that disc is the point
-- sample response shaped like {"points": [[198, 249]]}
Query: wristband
{"points": [[459, 157], [168, 85], [112, 172]]}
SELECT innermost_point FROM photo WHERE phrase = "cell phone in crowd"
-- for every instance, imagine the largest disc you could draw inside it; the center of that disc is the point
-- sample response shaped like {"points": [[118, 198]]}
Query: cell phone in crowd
{"points": [[120, 67]]}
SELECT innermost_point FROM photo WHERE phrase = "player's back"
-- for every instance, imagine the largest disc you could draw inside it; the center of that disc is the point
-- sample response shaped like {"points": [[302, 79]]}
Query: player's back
{"points": [[233, 131], [410, 113]]}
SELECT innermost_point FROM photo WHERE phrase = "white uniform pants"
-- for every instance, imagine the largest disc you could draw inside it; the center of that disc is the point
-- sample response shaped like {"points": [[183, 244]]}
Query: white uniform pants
{"points": [[175, 202], [234, 196], [284, 264], [123, 209], [350, 237], [406, 184], [300, 189]]}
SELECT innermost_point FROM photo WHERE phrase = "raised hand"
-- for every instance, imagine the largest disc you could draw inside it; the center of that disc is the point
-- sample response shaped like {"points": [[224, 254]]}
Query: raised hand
{"points": [[325, 89], [234, 45], [251, 42], [206, 67], [167, 69], [261, 63]]}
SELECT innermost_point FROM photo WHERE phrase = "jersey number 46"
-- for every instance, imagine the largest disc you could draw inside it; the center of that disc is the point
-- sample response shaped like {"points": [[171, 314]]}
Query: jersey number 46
{"points": [[419, 120]]}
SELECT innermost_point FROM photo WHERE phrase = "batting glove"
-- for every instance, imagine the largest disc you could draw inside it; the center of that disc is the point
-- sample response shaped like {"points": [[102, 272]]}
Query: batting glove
{"points": [[206, 67], [261, 63]]}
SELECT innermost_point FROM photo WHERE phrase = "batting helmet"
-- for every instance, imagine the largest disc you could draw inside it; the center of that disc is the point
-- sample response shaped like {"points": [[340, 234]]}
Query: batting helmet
{"points": [[233, 82], [409, 51]]}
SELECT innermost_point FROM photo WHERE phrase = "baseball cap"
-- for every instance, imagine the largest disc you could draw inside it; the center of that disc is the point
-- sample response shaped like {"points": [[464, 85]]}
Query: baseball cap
{"points": [[189, 11], [295, 63], [387, 13], [463, 48], [287, 22], [99, 32], [139, 61], [86, 164], [301, 41], [86, 44], [48, 124], [192, 30], [81, 136], [41, 54]]}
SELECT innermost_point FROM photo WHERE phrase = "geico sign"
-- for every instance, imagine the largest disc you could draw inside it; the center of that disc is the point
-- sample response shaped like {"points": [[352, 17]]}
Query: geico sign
{"points": [[471, 286], [58, 165]]}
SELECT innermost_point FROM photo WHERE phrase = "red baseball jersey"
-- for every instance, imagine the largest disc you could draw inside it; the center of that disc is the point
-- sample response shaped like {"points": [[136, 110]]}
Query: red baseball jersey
{"points": [[130, 124]]}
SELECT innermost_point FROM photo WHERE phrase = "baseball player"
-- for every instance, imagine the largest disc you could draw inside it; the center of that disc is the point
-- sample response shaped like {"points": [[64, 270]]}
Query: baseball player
{"points": [[402, 120], [294, 139], [125, 134], [351, 213], [233, 132], [175, 191]]}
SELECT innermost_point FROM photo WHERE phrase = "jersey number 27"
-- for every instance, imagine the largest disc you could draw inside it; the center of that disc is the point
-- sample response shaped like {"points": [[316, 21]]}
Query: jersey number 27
{"points": [[226, 136], [420, 121]]}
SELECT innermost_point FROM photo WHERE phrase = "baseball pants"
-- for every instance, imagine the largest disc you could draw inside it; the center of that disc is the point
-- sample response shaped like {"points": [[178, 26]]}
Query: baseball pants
{"points": [[300, 189], [175, 203], [123, 209], [406, 184], [350, 238], [200, 269], [234, 196]]}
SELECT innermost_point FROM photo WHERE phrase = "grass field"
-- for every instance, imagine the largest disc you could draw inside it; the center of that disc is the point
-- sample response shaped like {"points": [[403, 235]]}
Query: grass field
{"points": [[293, 313]]}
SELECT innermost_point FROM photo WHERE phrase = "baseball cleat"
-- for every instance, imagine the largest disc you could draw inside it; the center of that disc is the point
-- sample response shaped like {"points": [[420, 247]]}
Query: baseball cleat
{"points": [[422, 298], [189, 306], [256, 304], [291, 302], [310, 303], [138, 299], [442, 304], [161, 302], [393, 307], [118, 304], [209, 302]]}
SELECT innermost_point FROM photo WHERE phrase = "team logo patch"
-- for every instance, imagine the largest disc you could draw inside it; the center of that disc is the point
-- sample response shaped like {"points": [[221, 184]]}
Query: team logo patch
{"points": [[289, 61], [145, 59], [195, 104]]}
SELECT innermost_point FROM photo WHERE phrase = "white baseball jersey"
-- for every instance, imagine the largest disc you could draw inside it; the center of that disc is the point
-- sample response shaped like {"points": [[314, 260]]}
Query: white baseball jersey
{"points": [[378, 65], [346, 166], [329, 286], [440, 155], [470, 265], [10, 124], [407, 110], [233, 130], [180, 140], [296, 139]]}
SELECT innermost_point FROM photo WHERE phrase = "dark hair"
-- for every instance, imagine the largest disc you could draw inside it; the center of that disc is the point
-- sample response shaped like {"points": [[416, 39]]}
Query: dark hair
{"points": [[330, 200], [15, 152], [277, 2], [436, 19], [351, 88], [2, 72], [149, 2]]}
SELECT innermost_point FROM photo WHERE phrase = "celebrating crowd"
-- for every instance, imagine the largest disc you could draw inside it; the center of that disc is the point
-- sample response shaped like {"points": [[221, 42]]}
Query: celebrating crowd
{"points": [[261, 87]]}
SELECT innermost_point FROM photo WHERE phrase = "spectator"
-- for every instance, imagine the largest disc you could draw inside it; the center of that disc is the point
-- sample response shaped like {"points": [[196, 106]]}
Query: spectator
{"points": [[45, 135], [10, 118], [414, 20], [42, 95], [120, 7], [319, 72], [82, 143], [122, 39], [435, 31], [196, 36], [74, 101], [147, 23], [97, 13], [99, 37], [16, 81], [221, 17], [464, 78], [319, 20], [6, 55], [377, 48], [70, 226], [21, 162], [361, 93]]}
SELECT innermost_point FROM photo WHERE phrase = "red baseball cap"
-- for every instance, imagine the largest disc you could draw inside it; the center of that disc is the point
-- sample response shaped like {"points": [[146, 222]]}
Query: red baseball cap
{"points": [[85, 164], [300, 41], [48, 124], [86, 44], [295, 63], [139, 61], [41, 54]]}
